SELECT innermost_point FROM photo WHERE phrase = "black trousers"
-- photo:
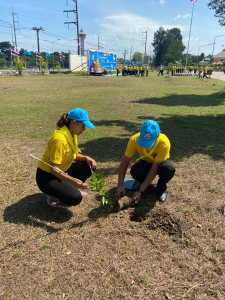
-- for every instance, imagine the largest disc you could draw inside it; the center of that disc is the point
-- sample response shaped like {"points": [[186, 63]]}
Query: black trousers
{"points": [[64, 191], [166, 172]]}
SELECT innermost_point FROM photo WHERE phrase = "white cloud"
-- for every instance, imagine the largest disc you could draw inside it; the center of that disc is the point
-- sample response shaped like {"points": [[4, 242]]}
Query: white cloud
{"points": [[162, 1], [182, 17], [121, 32], [126, 30]]}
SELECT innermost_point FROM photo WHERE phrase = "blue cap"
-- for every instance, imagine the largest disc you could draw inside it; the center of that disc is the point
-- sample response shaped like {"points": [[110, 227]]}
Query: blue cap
{"points": [[80, 115], [149, 132]]}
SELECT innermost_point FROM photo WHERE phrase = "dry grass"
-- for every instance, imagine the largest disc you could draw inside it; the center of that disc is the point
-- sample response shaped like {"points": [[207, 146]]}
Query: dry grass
{"points": [[155, 252]]}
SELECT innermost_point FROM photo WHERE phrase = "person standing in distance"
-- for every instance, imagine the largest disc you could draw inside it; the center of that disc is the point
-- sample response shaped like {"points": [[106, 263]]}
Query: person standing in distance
{"points": [[154, 150], [65, 180]]}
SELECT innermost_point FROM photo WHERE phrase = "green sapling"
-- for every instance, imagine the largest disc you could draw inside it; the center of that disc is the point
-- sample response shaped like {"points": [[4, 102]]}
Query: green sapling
{"points": [[97, 184]]}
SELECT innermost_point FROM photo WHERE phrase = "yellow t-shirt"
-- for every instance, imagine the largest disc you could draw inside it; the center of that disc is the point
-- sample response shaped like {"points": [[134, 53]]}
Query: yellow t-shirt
{"points": [[61, 149], [158, 153]]}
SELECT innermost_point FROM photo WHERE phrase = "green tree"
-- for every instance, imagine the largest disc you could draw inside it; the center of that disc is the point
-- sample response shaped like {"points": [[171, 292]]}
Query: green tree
{"points": [[160, 46], [6, 47], [19, 64], [2, 62], [137, 57], [168, 46], [42, 64], [219, 7], [120, 60], [175, 46]]}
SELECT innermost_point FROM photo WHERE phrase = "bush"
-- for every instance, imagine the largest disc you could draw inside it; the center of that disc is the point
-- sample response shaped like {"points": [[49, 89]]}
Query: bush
{"points": [[19, 65], [3, 63]]}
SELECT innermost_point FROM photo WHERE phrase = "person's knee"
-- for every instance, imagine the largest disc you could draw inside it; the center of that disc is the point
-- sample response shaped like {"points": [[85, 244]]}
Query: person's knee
{"points": [[72, 200], [167, 171], [135, 172]]}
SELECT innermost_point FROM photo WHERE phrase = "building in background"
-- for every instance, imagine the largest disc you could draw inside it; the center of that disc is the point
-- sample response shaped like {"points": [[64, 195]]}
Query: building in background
{"points": [[82, 36], [219, 58]]}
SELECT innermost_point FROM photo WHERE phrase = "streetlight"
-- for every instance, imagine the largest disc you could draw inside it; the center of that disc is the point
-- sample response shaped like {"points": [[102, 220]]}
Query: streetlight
{"points": [[53, 53], [215, 42], [52, 50], [203, 46]]}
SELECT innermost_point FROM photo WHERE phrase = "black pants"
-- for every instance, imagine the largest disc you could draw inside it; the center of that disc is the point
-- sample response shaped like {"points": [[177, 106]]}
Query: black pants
{"points": [[166, 172], [64, 191]]}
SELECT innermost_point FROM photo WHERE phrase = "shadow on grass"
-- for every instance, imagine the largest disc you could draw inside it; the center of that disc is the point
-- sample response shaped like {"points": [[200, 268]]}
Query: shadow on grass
{"points": [[34, 211], [186, 100], [188, 135]]}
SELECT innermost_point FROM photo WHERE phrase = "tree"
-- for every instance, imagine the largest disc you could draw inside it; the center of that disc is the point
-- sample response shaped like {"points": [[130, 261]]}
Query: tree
{"points": [[175, 46], [6, 47], [137, 57], [2, 63], [159, 45], [120, 60], [168, 46], [19, 63], [219, 7], [42, 64]]}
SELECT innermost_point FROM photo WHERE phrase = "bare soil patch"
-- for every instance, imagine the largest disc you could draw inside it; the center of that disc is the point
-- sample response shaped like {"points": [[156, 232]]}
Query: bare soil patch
{"points": [[167, 221]]}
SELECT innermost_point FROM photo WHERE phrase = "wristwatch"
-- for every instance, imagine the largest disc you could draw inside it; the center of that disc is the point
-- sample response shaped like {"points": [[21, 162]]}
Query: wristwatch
{"points": [[140, 191]]}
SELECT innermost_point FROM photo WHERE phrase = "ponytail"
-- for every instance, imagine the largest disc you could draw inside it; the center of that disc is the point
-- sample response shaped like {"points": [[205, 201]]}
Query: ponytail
{"points": [[63, 121]]}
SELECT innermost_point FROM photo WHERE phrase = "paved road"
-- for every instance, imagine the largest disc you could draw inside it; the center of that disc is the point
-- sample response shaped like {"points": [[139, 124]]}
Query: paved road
{"points": [[218, 75]]}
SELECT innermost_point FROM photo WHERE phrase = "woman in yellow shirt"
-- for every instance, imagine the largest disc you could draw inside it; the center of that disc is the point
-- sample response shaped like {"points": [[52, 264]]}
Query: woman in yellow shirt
{"points": [[64, 169]]}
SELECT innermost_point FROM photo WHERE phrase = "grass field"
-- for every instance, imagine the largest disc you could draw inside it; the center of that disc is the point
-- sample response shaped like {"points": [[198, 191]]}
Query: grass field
{"points": [[171, 251]]}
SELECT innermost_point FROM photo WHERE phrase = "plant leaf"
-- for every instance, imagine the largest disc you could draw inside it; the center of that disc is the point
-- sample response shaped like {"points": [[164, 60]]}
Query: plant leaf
{"points": [[93, 174]]}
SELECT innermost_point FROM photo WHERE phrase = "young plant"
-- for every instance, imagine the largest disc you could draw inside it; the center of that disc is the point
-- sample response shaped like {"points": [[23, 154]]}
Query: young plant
{"points": [[97, 184], [19, 65], [43, 65]]}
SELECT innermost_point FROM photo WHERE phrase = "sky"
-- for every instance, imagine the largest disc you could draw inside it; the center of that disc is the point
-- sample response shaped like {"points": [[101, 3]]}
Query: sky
{"points": [[112, 25]]}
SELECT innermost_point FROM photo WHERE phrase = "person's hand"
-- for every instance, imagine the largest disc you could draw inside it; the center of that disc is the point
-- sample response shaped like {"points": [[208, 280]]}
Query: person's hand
{"points": [[84, 186], [136, 197], [120, 191], [80, 184], [91, 162]]}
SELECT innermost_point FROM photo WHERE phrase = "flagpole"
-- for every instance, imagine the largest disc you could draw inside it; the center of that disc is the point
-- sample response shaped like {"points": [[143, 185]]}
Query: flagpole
{"points": [[11, 60], [189, 35]]}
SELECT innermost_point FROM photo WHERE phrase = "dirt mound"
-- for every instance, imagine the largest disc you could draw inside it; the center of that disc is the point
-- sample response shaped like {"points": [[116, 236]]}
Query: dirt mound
{"points": [[138, 216], [167, 221]]}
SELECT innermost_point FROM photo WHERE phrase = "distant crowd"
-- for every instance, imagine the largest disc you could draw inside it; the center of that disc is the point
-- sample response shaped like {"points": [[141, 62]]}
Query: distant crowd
{"points": [[132, 70], [200, 70]]}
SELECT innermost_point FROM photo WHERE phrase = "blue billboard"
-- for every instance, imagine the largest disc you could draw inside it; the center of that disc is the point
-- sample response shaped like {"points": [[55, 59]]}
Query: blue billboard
{"points": [[100, 60]]}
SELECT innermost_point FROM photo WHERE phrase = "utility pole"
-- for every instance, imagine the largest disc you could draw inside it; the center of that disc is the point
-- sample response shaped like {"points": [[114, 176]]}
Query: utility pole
{"points": [[125, 53], [37, 30], [38, 45], [130, 52], [14, 26], [75, 11], [146, 36]]}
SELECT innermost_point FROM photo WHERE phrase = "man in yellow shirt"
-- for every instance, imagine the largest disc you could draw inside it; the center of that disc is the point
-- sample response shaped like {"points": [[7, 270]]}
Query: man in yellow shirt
{"points": [[153, 148]]}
